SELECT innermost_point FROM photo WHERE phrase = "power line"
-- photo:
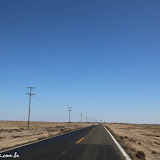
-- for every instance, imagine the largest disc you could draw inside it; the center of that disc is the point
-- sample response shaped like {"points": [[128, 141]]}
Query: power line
{"points": [[30, 94]]}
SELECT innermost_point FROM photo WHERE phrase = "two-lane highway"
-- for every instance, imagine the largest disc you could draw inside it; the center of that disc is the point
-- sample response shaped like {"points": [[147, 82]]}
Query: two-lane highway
{"points": [[91, 143]]}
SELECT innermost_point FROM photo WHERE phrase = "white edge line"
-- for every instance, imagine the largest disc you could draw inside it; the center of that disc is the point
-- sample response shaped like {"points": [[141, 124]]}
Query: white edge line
{"points": [[38, 141], [118, 145]]}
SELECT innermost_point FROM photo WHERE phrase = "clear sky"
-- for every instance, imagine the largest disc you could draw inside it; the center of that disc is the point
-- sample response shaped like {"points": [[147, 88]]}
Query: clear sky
{"points": [[100, 56]]}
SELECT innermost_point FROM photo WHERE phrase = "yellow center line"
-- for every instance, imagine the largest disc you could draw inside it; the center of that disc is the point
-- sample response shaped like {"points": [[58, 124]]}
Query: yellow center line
{"points": [[83, 137], [79, 140]]}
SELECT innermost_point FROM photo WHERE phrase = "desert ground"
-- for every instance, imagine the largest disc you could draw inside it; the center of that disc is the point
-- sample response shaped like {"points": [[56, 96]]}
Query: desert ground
{"points": [[15, 133], [140, 141]]}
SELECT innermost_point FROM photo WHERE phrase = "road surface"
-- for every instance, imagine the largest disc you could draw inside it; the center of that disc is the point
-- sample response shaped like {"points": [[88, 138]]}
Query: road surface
{"points": [[91, 143]]}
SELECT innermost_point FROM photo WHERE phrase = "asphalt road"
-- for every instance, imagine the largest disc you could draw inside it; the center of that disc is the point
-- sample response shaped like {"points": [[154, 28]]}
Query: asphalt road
{"points": [[91, 143]]}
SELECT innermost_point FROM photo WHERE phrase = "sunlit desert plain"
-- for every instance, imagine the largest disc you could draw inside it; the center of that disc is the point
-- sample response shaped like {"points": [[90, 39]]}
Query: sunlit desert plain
{"points": [[140, 141], [15, 133]]}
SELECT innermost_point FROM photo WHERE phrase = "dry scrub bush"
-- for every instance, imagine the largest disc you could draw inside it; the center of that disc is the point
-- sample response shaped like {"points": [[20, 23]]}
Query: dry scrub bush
{"points": [[140, 155], [133, 154]]}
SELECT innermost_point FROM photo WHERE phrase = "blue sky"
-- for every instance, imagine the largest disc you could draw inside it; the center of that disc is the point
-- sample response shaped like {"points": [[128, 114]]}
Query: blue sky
{"points": [[101, 57]]}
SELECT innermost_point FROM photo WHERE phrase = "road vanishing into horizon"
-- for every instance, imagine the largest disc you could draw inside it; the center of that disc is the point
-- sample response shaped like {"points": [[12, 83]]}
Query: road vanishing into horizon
{"points": [[91, 143]]}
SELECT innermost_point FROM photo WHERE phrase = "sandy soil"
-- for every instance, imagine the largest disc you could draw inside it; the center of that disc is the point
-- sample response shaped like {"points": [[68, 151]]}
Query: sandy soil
{"points": [[136, 137], [14, 133]]}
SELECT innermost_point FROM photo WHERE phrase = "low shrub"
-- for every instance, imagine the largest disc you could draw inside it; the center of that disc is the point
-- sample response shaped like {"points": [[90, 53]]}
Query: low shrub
{"points": [[140, 155]]}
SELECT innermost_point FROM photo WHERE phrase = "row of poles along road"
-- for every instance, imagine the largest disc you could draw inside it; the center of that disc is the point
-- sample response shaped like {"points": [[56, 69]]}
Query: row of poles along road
{"points": [[69, 109], [90, 119]]}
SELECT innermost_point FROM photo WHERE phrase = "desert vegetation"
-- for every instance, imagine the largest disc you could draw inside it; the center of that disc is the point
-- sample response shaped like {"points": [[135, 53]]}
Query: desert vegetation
{"points": [[15, 133], [140, 141]]}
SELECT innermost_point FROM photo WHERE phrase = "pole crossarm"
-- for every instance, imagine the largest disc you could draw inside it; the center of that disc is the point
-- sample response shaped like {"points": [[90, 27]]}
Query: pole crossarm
{"points": [[30, 93]]}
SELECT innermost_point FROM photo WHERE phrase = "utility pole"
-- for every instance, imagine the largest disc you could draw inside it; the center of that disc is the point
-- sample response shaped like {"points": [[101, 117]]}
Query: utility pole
{"points": [[81, 117], [69, 109], [30, 94], [86, 119]]}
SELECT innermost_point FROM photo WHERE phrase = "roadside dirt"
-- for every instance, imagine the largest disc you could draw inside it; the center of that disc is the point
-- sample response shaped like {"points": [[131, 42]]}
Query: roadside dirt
{"points": [[15, 133], [140, 141]]}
